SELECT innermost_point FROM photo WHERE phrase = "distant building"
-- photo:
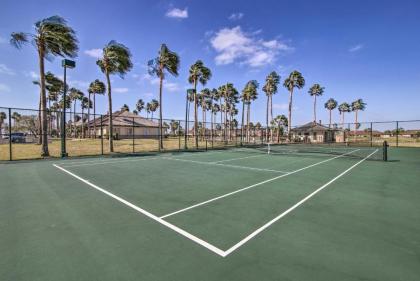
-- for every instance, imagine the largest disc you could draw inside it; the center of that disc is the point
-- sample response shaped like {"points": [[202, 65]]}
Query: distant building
{"points": [[317, 133], [125, 124]]}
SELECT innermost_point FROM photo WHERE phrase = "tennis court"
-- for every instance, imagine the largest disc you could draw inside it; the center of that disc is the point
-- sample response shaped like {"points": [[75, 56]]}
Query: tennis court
{"points": [[277, 213]]}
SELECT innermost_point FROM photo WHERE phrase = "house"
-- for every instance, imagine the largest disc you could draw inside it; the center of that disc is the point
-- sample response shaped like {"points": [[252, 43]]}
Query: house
{"points": [[125, 125], [410, 134], [315, 132]]}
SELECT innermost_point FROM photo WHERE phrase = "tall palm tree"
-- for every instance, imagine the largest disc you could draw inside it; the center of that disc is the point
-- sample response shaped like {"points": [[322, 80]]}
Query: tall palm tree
{"points": [[330, 105], [52, 37], [249, 94], [139, 106], [189, 97], [125, 108], [279, 122], [356, 106], [295, 80], [116, 59], [154, 105], [315, 91], [230, 95], [270, 88], [343, 108], [198, 73], [96, 87], [85, 103], [74, 96], [148, 107], [3, 117], [203, 100], [214, 109], [166, 61]]}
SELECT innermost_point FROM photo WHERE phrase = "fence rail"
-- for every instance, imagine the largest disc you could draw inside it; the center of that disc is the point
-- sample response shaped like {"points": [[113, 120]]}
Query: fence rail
{"points": [[87, 134]]}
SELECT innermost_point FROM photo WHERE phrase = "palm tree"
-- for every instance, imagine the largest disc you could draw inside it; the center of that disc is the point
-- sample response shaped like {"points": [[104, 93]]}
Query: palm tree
{"points": [[343, 108], [330, 105], [357, 105], [270, 88], [52, 37], [148, 107], [189, 97], [295, 80], [85, 103], [116, 59], [154, 105], [3, 117], [125, 108], [198, 73], [230, 95], [75, 95], [139, 106], [174, 125], [16, 118], [214, 109], [166, 61], [203, 100], [249, 94], [280, 122], [315, 91], [96, 87]]}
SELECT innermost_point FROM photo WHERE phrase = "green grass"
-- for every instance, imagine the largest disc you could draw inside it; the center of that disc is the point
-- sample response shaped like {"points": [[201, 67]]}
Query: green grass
{"points": [[363, 226]]}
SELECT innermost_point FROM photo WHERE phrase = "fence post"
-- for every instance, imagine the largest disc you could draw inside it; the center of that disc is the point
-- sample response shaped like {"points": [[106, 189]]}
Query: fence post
{"points": [[397, 133], [10, 134], [102, 138], [132, 135], [179, 135], [371, 134]]}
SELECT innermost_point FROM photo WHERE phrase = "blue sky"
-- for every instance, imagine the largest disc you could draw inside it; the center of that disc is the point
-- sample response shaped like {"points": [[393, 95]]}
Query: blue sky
{"points": [[355, 49]]}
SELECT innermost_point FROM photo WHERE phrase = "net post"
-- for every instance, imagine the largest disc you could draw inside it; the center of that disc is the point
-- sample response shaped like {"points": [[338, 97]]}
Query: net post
{"points": [[397, 133], [10, 135], [385, 151], [102, 137], [371, 134], [179, 135], [132, 135]]}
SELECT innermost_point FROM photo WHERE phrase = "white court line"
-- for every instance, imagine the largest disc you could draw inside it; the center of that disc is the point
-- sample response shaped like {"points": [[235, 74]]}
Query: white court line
{"points": [[251, 186], [226, 165], [233, 159], [111, 162], [148, 214], [262, 228]]}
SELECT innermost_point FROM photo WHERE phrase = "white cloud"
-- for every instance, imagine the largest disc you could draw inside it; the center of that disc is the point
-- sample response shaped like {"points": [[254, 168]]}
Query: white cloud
{"points": [[6, 70], [148, 95], [94, 53], [4, 88], [2, 40], [171, 87], [283, 106], [356, 48], [234, 45], [177, 13], [31, 74], [83, 85], [120, 90], [236, 16]]}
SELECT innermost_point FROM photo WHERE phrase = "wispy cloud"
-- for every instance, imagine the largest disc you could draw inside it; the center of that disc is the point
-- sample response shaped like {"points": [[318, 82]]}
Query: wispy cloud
{"points": [[234, 45], [31, 74], [83, 85], [4, 88], [2, 40], [356, 48], [236, 16], [177, 13], [283, 106], [94, 53], [120, 90], [6, 70]]}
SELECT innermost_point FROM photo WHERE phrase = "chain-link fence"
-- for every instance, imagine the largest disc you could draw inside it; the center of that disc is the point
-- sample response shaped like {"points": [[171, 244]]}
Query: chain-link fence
{"points": [[88, 134]]}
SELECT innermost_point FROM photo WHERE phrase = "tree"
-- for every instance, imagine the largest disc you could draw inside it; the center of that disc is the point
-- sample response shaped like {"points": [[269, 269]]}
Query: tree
{"points": [[85, 103], [315, 91], [74, 96], [3, 117], [139, 106], [174, 125], [188, 99], [330, 105], [125, 108], [343, 108], [295, 80], [198, 73], [96, 87], [52, 37], [270, 88], [214, 109], [166, 61], [279, 122], [154, 105], [148, 107], [249, 94], [204, 102], [116, 59], [356, 106], [230, 95]]}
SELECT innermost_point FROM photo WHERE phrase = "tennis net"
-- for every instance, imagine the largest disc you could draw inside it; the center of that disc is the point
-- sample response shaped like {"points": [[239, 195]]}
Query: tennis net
{"points": [[351, 150]]}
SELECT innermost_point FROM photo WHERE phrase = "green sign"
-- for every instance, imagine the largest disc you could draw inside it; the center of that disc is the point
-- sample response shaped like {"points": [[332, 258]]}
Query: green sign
{"points": [[68, 63]]}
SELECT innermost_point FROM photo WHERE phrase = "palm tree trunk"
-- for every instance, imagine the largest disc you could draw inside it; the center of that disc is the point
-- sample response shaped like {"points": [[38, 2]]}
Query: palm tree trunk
{"points": [[94, 115], [289, 124], [83, 124], [195, 115], [225, 129], [266, 117], [74, 119], [110, 127], [88, 119], [242, 122], [329, 126], [186, 122], [355, 125], [314, 108], [203, 132], [271, 117], [44, 141], [39, 120], [160, 114], [248, 115]]}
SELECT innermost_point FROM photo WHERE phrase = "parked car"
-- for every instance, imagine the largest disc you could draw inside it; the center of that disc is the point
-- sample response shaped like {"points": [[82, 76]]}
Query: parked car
{"points": [[18, 137]]}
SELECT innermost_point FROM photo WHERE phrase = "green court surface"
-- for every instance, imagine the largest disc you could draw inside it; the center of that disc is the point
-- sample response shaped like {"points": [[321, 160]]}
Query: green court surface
{"points": [[215, 215]]}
